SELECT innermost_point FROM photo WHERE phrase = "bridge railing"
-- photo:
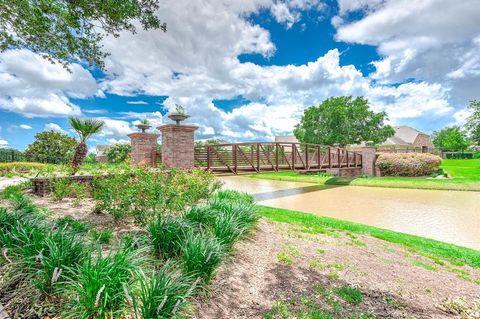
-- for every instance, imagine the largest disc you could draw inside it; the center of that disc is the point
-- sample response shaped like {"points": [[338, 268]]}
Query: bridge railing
{"points": [[273, 156]]}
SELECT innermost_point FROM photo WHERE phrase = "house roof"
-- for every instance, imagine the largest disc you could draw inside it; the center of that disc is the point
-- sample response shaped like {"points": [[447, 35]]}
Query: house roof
{"points": [[404, 135]]}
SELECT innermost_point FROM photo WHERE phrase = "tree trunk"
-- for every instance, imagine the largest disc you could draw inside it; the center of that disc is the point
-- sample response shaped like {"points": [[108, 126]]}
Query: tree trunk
{"points": [[80, 154]]}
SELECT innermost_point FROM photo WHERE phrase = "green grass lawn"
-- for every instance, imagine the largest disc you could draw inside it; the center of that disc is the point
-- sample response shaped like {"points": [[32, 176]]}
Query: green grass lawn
{"points": [[428, 247], [465, 176]]}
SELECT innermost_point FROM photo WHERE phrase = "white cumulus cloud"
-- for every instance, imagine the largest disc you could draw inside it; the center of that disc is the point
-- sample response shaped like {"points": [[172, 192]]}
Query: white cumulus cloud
{"points": [[54, 127]]}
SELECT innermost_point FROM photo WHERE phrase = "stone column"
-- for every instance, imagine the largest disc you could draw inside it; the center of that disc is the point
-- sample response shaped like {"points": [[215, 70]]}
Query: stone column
{"points": [[144, 149], [369, 155], [177, 145]]}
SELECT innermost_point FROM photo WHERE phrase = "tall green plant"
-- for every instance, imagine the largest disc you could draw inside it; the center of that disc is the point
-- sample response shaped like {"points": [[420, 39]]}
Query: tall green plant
{"points": [[201, 254], [98, 286], [162, 294], [168, 234], [85, 129]]}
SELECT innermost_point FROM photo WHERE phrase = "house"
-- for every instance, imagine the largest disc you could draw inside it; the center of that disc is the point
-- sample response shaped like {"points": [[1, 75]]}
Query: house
{"points": [[406, 136], [101, 150]]}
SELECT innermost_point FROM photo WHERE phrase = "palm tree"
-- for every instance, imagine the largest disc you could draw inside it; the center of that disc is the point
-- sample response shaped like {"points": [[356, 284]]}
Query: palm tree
{"points": [[85, 129]]}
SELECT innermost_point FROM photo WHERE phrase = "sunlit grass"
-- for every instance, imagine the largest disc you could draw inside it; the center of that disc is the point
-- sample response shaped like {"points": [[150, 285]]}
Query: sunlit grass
{"points": [[454, 253]]}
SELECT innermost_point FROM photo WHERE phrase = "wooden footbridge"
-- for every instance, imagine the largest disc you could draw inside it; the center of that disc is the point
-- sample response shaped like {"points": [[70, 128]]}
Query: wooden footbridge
{"points": [[272, 156]]}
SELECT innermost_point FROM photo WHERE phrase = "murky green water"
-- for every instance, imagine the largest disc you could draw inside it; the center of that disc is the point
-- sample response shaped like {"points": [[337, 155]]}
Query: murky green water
{"points": [[449, 216]]}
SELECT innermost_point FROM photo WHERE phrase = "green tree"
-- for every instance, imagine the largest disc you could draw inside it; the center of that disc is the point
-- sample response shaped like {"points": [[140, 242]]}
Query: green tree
{"points": [[451, 138], [85, 129], [342, 120], [51, 147], [118, 153], [69, 30], [473, 121]]}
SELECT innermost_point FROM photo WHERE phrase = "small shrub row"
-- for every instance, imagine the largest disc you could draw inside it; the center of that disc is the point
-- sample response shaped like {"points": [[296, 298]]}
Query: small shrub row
{"points": [[408, 164], [144, 194]]}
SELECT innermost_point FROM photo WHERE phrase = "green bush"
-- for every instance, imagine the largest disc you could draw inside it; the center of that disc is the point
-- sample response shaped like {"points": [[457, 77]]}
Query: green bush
{"points": [[408, 164], [51, 147], [201, 254], [162, 294], [64, 187], [118, 153], [144, 194]]}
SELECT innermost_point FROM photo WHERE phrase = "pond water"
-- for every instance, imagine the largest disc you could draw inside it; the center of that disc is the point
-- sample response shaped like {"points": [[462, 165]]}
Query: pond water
{"points": [[449, 216]]}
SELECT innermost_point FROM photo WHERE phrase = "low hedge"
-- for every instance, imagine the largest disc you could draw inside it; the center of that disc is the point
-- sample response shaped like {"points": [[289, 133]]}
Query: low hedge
{"points": [[408, 164]]}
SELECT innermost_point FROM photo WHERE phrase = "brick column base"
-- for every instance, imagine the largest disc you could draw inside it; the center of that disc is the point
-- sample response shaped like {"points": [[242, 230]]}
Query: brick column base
{"points": [[177, 145], [369, 155], [144, 149]]}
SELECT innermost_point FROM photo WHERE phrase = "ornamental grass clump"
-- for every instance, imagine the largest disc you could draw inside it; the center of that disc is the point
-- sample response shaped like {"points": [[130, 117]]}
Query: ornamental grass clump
{"points": [[162, 294], [97, 286], [201, 254], [167, 235], [408, 164], [229, 215]]}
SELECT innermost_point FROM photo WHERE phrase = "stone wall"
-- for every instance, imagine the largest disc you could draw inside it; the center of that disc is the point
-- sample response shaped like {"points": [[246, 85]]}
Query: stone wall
{"points": [[42, 186]]}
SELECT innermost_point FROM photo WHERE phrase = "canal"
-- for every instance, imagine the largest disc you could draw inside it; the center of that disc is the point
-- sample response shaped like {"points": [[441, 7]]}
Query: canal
{"points": [[449, 216]]}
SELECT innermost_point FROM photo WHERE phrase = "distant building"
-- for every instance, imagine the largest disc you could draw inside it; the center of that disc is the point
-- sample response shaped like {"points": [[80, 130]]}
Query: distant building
{"points": [[286, 139], [101, 150], [410, 137]]}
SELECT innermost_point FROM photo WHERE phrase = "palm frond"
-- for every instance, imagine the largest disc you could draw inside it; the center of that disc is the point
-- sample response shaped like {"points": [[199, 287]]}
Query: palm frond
{"points": [[86, 127]]}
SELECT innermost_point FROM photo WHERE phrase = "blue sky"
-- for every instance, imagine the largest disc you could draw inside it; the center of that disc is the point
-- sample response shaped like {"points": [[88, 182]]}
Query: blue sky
{"points": [[246, 70]]}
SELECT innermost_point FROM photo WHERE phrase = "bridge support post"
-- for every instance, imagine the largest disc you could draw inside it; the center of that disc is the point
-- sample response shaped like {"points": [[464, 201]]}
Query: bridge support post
{"points": [[178, 145], [369, 155]]}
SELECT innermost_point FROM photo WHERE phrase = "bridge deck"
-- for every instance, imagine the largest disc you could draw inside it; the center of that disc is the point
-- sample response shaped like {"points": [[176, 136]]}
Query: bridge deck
{"points": [[259, 157]]}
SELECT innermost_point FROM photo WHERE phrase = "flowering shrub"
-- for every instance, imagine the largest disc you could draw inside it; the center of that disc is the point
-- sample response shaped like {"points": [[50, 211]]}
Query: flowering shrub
{"points": [[144, 193], [408, 164]]}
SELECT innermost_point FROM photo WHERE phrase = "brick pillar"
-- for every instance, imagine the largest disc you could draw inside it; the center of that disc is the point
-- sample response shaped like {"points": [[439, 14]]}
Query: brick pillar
{"points": [[177, 145], [369, 155], [144, 148]]}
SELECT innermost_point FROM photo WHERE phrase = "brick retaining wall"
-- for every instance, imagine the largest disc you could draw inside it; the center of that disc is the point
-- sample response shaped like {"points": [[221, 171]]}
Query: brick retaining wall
{"points": [[42, 186]]}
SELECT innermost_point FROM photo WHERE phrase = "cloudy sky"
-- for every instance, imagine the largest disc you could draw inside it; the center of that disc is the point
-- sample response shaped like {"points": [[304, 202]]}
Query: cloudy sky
{"points": [[246, 70]]}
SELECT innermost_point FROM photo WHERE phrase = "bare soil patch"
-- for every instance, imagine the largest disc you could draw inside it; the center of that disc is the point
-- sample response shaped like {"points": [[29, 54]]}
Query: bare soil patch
{"points": [[286, 263]]}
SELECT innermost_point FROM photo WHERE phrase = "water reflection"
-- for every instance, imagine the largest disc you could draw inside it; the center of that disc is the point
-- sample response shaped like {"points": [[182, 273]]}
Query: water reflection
{"points": [[448, 216]]}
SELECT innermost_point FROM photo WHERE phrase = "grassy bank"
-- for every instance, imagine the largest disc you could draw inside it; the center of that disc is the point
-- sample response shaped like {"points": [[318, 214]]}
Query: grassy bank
{"points": [[428, 247], [465, 176]]}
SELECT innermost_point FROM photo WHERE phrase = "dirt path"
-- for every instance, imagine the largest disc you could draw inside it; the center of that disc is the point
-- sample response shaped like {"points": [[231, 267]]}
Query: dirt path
{"points": [[285, 267]]}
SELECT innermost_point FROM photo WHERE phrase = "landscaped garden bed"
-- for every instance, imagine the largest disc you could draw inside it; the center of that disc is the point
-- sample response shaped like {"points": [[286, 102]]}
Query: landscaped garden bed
{"points": [[140, 244]]}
